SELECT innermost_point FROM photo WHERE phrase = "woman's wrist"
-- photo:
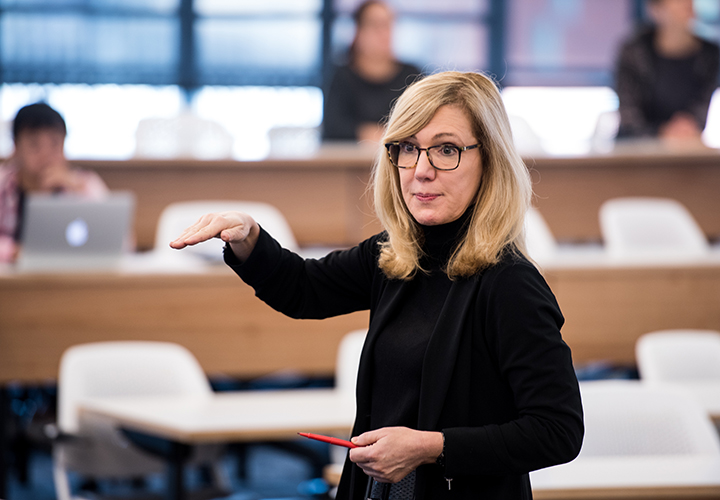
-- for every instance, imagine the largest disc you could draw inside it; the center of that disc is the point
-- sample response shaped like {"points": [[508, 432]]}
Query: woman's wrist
{"points": [[434, 443], [244, 248]]}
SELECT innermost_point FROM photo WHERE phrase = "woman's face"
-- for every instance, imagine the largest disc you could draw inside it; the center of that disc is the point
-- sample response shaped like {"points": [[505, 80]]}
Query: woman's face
{"points": [[673, 13], [435, 196], [374, 34]]}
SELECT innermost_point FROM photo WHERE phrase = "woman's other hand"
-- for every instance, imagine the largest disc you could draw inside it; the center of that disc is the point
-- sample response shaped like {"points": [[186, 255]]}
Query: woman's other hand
{"points": [[236, 228], [391, 453]]}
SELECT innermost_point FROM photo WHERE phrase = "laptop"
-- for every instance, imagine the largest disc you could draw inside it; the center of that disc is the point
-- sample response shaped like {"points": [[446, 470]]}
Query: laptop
{"points": [[62, 233]]}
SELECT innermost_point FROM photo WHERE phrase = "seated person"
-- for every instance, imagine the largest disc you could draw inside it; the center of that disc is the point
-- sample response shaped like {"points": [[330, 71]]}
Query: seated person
{"points": [[361, 92], [666, 76], [37, 165]]}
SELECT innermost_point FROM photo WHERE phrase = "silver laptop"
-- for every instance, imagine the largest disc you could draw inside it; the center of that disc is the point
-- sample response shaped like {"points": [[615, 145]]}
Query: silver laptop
{"points": [[65, 232]]}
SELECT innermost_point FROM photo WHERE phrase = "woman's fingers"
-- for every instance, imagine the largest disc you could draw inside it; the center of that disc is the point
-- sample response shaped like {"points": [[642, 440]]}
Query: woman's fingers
{"points": [[230, 226], [390, 453]]}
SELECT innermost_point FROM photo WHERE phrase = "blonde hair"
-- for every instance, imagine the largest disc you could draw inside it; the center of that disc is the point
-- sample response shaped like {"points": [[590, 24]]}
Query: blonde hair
{"points": [[496, 223]]}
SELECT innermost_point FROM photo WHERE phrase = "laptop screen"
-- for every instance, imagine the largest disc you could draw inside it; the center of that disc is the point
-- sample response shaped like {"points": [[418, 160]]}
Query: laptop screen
{"points": [[63, 232]]}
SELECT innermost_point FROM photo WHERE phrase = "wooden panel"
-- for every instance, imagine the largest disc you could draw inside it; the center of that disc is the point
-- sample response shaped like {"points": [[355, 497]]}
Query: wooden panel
{"points": [[326, 202], [216, 316], [323, 205], [231, 331], [632, 493], [608, 309]]}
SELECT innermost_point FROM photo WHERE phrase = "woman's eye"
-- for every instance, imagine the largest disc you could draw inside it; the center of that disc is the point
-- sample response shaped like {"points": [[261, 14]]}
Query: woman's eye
{"points": [[406, 147], [447, 150]]}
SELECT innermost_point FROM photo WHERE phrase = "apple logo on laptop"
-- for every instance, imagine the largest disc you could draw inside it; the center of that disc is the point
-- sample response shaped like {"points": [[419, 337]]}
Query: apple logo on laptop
{"points": [[76, 233]]}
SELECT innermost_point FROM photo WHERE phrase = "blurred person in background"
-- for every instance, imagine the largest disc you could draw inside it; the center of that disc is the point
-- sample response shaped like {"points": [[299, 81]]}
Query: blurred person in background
{"points": [[361, 93], [37, 165], [665, 76]]}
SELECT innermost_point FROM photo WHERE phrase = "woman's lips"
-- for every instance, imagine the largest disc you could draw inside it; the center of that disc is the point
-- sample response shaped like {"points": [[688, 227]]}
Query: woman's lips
{"points": [[426, 196]]}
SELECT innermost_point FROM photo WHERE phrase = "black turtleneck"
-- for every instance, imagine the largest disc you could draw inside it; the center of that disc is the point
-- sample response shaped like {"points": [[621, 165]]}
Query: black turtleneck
{"points": [[400, 348]]}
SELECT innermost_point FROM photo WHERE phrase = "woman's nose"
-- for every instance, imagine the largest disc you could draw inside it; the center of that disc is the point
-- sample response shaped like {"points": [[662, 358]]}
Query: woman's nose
{"points": [[424, 169]]}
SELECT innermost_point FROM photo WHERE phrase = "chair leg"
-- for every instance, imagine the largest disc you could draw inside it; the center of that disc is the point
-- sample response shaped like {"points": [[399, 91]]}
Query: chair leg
{"points": [[60, 477], [221, 478]]}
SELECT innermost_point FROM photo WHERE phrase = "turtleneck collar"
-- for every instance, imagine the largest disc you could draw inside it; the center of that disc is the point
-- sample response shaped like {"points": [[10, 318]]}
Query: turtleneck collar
{"points": [[441, 240]]}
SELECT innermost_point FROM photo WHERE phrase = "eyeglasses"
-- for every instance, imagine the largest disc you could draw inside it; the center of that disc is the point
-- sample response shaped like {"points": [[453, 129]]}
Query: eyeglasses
{"points": [[441, 157]]}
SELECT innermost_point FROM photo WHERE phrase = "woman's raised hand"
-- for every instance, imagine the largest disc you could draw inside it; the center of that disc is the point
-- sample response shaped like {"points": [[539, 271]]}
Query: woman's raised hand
{"points": [[236, 228]]}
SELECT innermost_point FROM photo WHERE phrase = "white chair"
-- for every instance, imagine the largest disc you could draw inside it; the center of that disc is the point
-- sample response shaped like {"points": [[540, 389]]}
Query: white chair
{"points": [[648, 228], [688, 360], [184, 136], [526, 140], [347, 363], [679, 356], [346, 370], [177, 217], [95, 447], [606, 129], [539, 240], [293, 142], [638, 436]]}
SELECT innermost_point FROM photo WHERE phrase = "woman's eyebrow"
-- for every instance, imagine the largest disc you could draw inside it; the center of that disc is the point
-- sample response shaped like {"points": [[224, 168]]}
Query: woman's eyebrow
{"points": [[441, 135]]}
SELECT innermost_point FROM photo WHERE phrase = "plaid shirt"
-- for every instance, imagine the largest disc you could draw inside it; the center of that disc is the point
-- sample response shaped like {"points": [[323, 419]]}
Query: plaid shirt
{"points": [[10, 200]]}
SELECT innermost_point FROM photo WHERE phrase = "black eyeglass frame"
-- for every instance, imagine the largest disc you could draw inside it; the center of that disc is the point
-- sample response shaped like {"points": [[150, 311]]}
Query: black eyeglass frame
{"points": [[427, 152]]}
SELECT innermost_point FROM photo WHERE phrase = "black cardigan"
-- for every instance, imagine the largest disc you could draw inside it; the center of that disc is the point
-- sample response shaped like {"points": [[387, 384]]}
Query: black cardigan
{"points": [[497, 380]]}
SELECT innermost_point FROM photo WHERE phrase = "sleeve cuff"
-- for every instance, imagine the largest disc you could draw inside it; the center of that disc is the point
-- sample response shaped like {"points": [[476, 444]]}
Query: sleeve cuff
{"points": [[261, 262]]}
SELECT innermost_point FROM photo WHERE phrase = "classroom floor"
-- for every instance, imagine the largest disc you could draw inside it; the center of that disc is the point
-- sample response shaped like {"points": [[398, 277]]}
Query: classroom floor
{"points": [[271, 474]]}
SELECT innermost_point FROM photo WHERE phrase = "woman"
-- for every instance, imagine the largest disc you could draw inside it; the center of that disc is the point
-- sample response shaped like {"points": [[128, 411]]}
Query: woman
{"points": [[361, 93], [464, 384], [666, 76]]}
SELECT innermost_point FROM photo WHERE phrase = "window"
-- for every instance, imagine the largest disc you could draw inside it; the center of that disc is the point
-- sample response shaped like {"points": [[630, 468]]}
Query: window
{"points": [[565, 42], [432, 35], [89, 41]]}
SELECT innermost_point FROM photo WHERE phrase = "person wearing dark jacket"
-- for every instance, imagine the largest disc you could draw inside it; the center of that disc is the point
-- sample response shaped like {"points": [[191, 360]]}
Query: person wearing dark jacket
{"points": [[666, 76], [465, 384], [362, 91]]}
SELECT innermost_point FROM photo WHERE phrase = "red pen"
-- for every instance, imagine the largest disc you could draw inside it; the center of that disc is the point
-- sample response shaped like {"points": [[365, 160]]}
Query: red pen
{"points": [[328, 439]]}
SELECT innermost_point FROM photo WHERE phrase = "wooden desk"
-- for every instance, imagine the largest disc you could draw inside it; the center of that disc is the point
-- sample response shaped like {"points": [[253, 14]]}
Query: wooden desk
{"points": [[230, 331], [245, 416], [607, 308], [638, 493], [215, 315], [226, 417], [323, 199], [326, 203]]}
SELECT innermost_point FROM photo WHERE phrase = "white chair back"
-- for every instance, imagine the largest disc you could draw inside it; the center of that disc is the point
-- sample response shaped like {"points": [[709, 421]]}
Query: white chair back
{"points": [[638, 436], [183, 136], [113, 369], [650, 227], [177, 217], [679, 356], [539, 240], [630, 418], [348, 360]]}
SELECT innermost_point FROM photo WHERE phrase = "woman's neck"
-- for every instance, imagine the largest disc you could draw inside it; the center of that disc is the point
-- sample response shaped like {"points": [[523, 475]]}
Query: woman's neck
{"points": [[675, 42], [375, 69], [441, 240]]}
